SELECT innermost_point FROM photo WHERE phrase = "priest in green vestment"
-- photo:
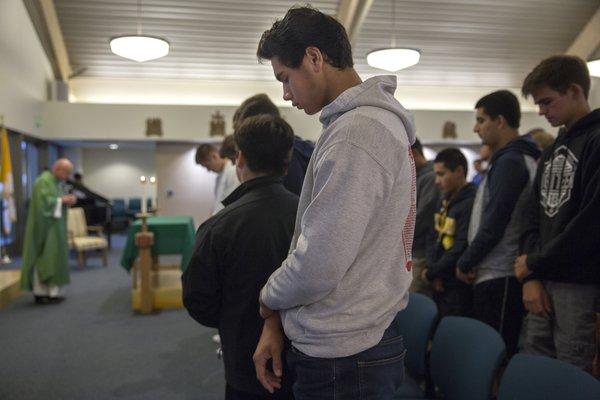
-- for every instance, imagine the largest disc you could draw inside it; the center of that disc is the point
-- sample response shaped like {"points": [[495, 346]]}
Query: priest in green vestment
{"points": [[45, 251]]}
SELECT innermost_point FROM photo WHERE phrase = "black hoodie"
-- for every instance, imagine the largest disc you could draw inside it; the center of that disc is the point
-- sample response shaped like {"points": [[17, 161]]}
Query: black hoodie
{"points": [[448, 240], [562, 241]]}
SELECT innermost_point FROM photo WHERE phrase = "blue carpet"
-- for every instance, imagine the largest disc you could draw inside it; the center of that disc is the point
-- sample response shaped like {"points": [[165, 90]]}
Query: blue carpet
{"points": [[92, 346]]}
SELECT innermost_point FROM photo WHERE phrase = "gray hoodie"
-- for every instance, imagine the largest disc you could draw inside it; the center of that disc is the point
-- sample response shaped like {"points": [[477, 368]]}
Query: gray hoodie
{"points": [[349, 266]]}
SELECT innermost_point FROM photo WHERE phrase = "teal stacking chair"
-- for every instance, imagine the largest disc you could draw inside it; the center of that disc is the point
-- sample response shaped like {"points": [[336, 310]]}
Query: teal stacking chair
{"points": [[530, 377], [464, 359], [416, 323]]}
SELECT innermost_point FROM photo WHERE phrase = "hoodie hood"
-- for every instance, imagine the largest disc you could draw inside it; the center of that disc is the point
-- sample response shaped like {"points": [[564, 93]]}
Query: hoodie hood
{"points": [[581, 127], [523, 144], [374, 92], [467, 192]]}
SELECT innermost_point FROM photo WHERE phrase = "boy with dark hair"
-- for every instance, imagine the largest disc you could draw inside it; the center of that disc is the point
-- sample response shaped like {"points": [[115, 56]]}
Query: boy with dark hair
{"points": [[238, 248], [254, 105], [349, 267], [303, 149], [207, 155], [427, 201], [561, 262], [448, 239], [497, 215], [228, 149]]}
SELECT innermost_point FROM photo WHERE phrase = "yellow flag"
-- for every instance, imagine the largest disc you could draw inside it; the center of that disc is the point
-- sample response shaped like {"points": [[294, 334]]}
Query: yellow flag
{"points": [[6, 177]]}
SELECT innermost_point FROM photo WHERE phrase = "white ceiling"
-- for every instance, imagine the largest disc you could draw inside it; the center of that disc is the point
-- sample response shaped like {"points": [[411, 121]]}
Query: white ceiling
{"points": [[209, 39], [474, 42], [470, 44]]}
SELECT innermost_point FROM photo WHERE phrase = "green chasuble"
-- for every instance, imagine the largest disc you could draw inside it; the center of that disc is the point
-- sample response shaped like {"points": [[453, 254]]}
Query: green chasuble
{"points": [[45, 246]]}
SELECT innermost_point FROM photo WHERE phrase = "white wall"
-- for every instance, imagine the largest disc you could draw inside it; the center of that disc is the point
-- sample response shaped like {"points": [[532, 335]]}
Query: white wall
{"points": [[24, 69], [128, 121], [191, 123], [115, 173], [232, 93], [75, 155], [184, 188], [429, 123]]}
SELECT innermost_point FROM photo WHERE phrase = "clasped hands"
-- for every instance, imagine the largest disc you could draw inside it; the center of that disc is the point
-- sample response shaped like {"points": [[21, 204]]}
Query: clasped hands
{"points": [[68, 199]]}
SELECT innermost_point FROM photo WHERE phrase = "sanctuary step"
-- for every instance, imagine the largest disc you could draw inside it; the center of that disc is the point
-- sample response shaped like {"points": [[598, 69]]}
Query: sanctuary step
{"points": [[9, 286], [166, 289]]}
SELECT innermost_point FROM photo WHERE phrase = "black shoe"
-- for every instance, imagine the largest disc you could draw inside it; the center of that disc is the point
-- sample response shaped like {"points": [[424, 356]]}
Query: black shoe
{"points": [[42, 299], [56, 300]]}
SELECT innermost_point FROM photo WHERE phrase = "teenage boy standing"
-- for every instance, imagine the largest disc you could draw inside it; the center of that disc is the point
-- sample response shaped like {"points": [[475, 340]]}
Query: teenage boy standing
{"points": [[448, 240], [496, 219], [239, 247], [349, 267], [561, 261]]}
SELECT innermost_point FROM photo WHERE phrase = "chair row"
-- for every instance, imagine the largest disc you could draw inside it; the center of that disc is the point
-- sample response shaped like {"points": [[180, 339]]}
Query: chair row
{"points": [[122, 212], [466, 356]]}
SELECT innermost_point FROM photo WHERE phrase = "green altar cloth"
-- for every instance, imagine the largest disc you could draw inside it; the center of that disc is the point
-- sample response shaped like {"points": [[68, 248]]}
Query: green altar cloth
{"points": [[172, 235]]}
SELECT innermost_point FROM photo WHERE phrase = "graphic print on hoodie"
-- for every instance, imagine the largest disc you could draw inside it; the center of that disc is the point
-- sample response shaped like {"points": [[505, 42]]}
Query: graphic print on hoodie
{"points": [[347, 274], [557, 180], [563, 233]]}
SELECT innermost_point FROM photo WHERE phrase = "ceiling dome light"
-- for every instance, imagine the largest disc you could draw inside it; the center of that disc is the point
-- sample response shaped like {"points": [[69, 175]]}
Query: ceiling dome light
{"points": [[139, 48], [594, 67], [393, 59]]}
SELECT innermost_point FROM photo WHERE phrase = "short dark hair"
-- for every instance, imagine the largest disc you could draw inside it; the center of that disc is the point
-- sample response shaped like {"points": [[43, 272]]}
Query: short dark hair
{"points": [[204, 151], [502, 102], [417, 146], [255, 105], [228, 149], [300, 28], [558, 73], [452, 158], [266, 142]]}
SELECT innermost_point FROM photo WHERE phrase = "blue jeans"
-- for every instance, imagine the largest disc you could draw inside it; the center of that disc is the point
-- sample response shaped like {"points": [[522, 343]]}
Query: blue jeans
{"points": [[373, 374]]}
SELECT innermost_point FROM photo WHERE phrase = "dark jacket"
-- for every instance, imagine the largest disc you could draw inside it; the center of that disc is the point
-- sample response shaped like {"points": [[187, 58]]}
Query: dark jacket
{"points": [[428, 196], [498, 211], [302, 151], [448, 240], [235, 253], [562, 241]]}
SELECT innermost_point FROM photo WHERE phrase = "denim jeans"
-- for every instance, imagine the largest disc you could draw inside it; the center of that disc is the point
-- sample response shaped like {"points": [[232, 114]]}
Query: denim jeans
{"points": [[373, 374], [569, 333]]}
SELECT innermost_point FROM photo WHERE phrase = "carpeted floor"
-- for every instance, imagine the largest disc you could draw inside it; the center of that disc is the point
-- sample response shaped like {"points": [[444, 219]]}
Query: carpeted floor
{"points": [[92, 346]]}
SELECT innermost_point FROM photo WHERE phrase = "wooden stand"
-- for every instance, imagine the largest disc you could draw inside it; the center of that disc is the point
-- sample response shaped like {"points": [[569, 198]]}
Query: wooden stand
{"points": [[9, 286], [144, 240], [155, 286]]}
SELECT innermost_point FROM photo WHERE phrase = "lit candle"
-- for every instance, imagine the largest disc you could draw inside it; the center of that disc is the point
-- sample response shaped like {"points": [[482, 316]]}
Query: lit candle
{"points": [[144, 191], [152, 193]]}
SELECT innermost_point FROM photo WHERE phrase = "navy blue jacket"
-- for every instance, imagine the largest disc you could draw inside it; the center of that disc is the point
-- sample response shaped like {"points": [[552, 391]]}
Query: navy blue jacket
{"points": [[302, 151], [506, 179]]}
